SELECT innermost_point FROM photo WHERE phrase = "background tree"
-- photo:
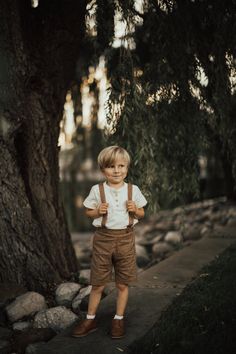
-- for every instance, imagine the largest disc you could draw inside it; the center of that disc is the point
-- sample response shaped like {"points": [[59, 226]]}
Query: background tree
{"points": [[176, 91], [39, 47]]}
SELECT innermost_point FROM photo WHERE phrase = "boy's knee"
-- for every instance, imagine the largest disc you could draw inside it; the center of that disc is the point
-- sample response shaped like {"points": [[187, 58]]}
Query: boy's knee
{"points": [[98, 288], [121, 287]]}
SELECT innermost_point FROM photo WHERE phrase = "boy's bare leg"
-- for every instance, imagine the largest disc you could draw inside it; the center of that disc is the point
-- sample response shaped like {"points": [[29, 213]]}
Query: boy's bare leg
{"points": [[94, 299], [89, 324], [122, 298]]}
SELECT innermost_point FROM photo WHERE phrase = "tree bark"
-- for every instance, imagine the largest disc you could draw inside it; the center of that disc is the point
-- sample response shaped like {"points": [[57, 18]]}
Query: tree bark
{"points": [[38, 48]]}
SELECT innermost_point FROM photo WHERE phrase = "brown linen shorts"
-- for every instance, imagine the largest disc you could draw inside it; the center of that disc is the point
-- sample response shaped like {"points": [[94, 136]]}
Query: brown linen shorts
{"points": [[113, 248]]}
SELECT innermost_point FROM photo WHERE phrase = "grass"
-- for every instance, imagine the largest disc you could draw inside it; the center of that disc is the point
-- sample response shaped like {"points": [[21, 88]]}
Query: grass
{"points": [[203, 319]]}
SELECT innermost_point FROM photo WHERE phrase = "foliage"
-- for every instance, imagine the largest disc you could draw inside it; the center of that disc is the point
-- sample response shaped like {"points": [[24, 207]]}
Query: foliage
{"points": [[172, 96], [172, 89]]}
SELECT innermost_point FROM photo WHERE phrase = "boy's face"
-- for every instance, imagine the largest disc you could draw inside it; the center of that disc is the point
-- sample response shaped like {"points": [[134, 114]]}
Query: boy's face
{"points": [[116, 173]]}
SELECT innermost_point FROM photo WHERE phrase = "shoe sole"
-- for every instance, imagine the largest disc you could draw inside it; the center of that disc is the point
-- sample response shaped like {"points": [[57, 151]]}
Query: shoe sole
{"points": [[84, 335]]}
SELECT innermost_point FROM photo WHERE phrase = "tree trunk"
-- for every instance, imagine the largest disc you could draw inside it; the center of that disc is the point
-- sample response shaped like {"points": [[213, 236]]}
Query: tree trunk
{"points": [[38, 49]]}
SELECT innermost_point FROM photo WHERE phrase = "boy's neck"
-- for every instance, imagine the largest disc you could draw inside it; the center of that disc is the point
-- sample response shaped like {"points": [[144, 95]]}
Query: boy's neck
{"points": [[115, 185]]}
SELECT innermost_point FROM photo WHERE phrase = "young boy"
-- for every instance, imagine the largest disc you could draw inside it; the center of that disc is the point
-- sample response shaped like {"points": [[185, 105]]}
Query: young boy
{"points": [[115, 207]]}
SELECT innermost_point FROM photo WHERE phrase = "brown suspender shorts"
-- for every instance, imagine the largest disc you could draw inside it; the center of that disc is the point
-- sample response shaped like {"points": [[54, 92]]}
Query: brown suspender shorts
{"points": [[113, 248]]}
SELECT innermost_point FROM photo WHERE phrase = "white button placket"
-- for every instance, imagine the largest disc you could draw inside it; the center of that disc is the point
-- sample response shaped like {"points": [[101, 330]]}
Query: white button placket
{"points": [[116, 199]]}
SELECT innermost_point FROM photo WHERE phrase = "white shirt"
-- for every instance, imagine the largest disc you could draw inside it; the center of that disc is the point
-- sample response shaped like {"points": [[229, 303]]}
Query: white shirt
{"points": [[117, 214]]}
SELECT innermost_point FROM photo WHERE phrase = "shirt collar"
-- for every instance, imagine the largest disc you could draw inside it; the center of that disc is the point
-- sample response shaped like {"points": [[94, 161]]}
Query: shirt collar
{"points": [[115, 189]]}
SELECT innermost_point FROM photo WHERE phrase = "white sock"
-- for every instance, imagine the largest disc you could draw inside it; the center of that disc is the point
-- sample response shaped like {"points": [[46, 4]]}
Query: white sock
{"points": [[117, 317], [90, 317]]}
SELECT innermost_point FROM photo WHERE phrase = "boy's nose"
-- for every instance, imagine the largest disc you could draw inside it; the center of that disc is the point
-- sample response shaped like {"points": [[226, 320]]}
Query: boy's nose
{"points": [[116, 169]]}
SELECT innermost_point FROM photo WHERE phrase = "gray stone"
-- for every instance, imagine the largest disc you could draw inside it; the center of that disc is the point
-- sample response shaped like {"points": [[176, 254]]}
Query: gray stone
{"points": [[85, 275], [142, 258], [161, 248], [78, 299], [204, 231], [232, 222], [143, 229], [164, 226], [109, 288], [66, 292], [33, 348], [232, 211], [178, 210], [21, 326], [174, 237], [147, 242], [82, 252], [192, 233], [25, 305], [56, 318], [215, 217]]}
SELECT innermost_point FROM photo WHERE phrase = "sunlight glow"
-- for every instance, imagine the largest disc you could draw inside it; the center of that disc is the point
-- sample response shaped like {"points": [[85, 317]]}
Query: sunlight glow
{"points": [[231, 64]]}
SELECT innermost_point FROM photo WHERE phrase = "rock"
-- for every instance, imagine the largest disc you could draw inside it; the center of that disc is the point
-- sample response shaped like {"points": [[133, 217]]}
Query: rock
{"points": [[21, 326], [142, 258], [78, 299], [33, 348], [178, 210], [33, 335], [108, 289], [82, 253], [164, 226], [192, 233], [232, 222], [215, 217], [174, 237], [25, 305], [56, 318], [204, 231], [85, 276], [177, 223], [224, 220], [161, 248], [147, 242], [232, 211], [66, 292], [9, 291]]}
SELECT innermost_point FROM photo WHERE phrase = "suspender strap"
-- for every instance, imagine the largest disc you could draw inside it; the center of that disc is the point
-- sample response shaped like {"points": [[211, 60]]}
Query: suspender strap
{"points": [[131, 217], [103, 200]]}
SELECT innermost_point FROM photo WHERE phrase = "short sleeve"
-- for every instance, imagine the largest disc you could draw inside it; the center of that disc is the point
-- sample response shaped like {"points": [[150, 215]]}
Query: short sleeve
{"points": [[92, 201], [139, 198]]}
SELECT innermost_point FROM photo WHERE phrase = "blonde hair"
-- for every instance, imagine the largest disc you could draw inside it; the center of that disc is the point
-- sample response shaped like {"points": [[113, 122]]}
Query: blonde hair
{"points": [[110, 154]]}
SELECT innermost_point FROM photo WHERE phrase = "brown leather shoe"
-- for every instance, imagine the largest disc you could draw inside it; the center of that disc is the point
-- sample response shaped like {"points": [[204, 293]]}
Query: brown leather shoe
{"points": [[84, 328], [117, 328]]}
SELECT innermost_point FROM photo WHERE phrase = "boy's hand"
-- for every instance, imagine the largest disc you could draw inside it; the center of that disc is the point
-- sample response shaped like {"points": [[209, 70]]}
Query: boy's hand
{"points": [[131, 206], [102, 209]]}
